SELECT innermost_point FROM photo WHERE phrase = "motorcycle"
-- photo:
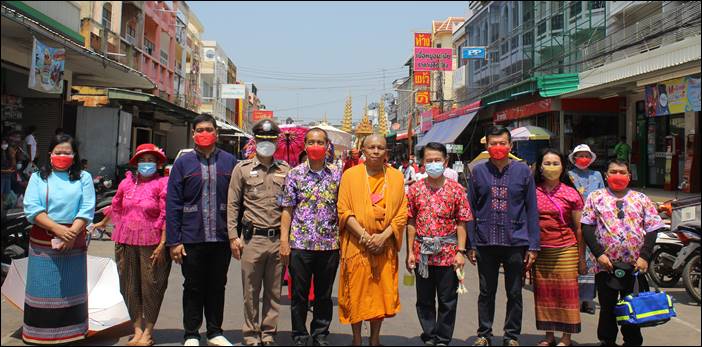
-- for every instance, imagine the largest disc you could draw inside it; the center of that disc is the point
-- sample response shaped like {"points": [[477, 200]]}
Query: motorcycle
{"points": [[666, 250], [103, 186], [688, 260], [15, 238]]}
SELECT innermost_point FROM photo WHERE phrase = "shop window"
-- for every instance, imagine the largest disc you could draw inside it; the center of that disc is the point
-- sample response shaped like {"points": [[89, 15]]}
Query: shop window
{"points": [[149, 47], [528, 38], [542, 28], [575, 8], [596, 4], [557, 22], [107, 16], [515, 42]]}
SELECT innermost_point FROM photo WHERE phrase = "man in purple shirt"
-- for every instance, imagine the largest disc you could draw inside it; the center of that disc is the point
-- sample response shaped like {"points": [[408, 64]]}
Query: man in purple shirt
{"points": [[309, 241], [505, 232]]}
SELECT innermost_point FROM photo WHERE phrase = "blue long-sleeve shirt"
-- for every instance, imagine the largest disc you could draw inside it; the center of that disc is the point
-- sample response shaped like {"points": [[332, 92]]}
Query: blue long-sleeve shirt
{"points": [[504, 206], [196, 202], [68, 200]]}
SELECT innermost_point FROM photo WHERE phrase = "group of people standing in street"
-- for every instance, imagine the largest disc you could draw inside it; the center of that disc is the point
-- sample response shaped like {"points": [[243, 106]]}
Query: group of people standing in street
{"points": [[564, 228]]}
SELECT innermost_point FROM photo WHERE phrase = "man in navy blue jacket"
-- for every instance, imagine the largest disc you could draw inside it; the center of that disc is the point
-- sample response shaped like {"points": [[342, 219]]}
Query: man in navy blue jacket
{"points": [[505, 232], [196, 230]]}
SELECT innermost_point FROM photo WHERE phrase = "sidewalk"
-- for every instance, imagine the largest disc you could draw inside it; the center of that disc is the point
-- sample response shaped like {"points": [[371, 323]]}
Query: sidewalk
{"points": [[660, 195]]}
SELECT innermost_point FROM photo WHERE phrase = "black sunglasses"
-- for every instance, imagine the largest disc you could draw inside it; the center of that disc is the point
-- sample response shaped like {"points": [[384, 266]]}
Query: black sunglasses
{"points": [[620, 209]]}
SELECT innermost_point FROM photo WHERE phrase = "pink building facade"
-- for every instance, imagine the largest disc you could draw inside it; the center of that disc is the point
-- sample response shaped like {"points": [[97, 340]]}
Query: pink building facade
{"points": [[159, 47]]}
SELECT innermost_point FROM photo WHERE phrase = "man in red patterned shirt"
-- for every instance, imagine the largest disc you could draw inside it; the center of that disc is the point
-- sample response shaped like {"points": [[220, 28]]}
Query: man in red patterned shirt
{"points": [[436, 242]]}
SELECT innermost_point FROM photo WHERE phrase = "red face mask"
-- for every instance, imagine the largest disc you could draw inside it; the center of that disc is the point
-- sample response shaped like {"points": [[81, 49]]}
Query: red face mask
{"points": [[498, 152], [618, 182], [316, 152], [205, 139], [61, 162], [582, 162]]}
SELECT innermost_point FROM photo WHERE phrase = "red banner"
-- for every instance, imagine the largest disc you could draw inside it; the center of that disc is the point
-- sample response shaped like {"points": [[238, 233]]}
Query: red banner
{"points": [[422, 39], [457, 112], [426, 119], [422, 97], [422, 78], [261, 114], [524, 111]]}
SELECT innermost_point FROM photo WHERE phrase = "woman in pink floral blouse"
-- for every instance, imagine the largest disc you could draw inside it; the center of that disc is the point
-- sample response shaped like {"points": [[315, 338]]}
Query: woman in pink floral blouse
{"points": [[139, 212]]}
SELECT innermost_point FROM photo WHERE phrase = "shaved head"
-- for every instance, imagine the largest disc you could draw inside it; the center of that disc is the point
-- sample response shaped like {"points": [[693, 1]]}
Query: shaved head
{"points": [[374, 139]]}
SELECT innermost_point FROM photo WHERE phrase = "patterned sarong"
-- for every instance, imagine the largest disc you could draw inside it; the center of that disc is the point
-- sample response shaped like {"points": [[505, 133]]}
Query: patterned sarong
{"points": [[56, 296], [556, 290]]}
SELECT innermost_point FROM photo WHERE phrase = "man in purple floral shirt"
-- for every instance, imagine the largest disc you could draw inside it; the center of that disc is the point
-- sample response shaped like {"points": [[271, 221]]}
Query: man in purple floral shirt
{"points": [[309, 242]]}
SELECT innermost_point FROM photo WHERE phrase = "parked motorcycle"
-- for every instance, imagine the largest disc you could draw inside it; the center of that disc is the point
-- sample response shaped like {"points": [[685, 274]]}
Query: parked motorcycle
{"points": [[661, 271], [688, 260], [103, 185], [15, 238]]}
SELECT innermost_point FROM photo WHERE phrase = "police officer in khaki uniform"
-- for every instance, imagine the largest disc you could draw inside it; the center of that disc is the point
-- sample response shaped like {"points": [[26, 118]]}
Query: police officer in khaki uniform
{"points": [[253, 216]]}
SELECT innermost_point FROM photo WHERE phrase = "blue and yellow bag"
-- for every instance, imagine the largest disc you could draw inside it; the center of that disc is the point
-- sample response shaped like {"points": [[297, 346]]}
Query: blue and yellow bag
{"points": [[645, 309]]}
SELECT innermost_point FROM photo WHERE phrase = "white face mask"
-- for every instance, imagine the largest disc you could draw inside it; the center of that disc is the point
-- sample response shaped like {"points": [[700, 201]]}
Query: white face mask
{"points": [[265, 148], [5, 146]]}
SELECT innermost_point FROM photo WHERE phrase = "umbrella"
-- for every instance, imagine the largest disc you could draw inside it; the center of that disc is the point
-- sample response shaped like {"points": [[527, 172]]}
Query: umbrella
{"points": [[106, 306], [531, 133], [291, 142], [528, 133], [337, 136], [485, 156]]}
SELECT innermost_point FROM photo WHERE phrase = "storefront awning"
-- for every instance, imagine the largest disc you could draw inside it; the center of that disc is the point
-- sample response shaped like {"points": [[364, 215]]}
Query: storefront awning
{"points": [[554, 85], [448, 130], [88, 68], [169, 109], [527, 86], [224, 126]]}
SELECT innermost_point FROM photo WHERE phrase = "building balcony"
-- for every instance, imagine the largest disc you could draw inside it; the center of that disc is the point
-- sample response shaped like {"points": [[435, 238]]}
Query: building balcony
{"points": [[647, 34]]}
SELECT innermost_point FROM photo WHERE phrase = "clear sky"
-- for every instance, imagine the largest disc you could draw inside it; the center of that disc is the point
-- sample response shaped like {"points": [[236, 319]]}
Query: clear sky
{"points": [[305, 57]]}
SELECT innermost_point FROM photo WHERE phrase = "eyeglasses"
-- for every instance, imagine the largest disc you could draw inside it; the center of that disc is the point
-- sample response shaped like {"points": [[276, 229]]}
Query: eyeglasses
{"points": [[620, 209]]}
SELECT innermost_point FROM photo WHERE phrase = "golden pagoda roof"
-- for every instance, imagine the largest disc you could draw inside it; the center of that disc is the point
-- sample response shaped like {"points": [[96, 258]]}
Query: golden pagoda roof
{"points": [[364, 127]]}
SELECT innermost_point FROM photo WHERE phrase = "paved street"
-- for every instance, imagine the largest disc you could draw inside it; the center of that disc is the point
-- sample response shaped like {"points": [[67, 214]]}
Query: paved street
{"points": [[401, 330]]}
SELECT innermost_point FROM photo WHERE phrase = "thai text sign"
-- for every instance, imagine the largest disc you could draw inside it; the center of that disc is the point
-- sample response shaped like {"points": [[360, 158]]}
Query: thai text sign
{"points": [[233, 91], [422, 39], [433, 59], [261, 114], [422, 78], [46, 74], [673, 96], [422, 97], [523, 111]]}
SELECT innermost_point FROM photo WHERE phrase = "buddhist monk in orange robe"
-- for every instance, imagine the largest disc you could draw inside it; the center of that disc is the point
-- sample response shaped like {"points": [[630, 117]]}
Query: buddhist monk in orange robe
{"points": [[372, 217]]}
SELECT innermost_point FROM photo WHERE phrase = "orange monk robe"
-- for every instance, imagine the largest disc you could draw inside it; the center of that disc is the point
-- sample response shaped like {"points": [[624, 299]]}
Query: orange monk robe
{"points": [[368, 285]]}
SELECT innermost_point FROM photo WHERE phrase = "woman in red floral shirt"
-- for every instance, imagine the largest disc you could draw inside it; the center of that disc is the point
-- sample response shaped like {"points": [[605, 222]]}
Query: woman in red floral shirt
{"points": [[562, 250]]}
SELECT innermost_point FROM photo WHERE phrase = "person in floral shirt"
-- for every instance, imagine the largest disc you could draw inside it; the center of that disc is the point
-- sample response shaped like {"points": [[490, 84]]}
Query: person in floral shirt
{"points": [[309, 242], [438, 210], [620, 227]]}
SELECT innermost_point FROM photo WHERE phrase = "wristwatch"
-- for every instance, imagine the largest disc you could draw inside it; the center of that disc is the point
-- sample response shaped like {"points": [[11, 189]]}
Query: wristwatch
{"points": [[463, 251]]}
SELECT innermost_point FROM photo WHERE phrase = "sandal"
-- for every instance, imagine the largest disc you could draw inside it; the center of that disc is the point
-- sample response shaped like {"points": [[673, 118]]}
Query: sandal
{"points": [[548, 343]]}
